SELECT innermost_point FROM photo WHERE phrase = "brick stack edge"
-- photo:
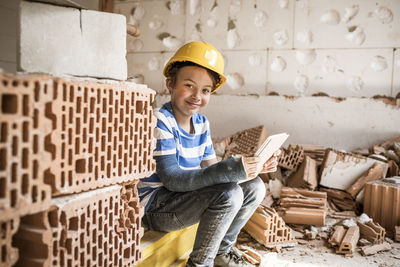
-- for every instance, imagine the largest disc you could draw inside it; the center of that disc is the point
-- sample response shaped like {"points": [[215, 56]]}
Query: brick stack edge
{"points": [[71, 154]]}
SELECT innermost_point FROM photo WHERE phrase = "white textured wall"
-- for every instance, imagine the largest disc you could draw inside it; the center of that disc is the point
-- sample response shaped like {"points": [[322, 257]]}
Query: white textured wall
{"points": [[343, 49], [8, 34]]}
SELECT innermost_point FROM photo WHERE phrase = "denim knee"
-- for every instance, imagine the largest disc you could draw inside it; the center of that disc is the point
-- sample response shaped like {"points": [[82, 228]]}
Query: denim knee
{"points": [[231, 196], [255, 190]]}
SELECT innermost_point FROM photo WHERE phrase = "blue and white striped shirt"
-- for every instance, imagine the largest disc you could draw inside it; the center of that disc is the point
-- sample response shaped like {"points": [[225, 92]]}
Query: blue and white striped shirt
{"points": [[190, 149]]}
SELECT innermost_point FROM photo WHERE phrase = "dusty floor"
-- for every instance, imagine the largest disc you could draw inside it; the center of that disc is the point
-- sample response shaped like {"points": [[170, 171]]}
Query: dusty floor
{"points": [[318, 253]]}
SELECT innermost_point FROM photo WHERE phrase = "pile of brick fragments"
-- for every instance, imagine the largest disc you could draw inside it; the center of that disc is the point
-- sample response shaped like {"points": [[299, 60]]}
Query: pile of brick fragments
{"points": [[350, 199]]}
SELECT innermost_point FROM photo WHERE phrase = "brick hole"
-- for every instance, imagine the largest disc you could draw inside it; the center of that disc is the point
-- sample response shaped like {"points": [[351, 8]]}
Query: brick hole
{"points": [[35, 145], [70, 115], [14, 169], [3, 159], [70, 180], [35, 118], [25, 158], [3, 132], [37, 91], [71, 93], [14, 150], [3, 253], [25, 184], [69, 263], [25, 105], [3, 183], [9, 104], [25, 131], [13, 198], [139, 107], [34, 193]]}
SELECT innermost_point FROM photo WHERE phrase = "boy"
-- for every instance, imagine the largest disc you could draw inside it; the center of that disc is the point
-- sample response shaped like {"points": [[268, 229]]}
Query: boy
{"points": [[189, 185]]}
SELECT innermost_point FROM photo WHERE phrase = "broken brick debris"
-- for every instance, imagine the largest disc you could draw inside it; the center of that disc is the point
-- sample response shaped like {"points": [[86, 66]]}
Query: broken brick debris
{"points": [[81, 230], [313, 151], [339, 170], [23, 159], [336, 238], [372, 249], [371, 231], [300, 206], [291, 157], [306, 175], [269, 229], [8, 253], [349, 241], [372, 174], [341, 200], [246, 142], [382, 204], [250, 254]]}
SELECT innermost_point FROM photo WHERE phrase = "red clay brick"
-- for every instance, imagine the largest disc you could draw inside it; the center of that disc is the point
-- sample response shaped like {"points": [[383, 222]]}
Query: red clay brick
{"points": [[102, 134], [23, 129], [84, 230], [8, 254]]}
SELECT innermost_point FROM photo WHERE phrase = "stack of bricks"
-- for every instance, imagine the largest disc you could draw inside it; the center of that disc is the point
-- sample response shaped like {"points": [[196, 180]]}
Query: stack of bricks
{"points": [[269, 229], [71, 155], [300, 206]]}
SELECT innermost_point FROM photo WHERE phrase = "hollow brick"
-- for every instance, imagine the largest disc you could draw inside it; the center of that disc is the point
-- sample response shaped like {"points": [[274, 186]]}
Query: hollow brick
{"points": [[84, 229], [23, 160]]}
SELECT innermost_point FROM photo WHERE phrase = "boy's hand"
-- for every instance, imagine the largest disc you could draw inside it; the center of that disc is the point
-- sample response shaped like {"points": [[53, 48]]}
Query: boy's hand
{"points": [[250, 165], [272, 163]]}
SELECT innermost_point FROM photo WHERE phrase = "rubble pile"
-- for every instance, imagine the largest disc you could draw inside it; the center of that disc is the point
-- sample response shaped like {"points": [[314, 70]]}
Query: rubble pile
{"points": [[350, 199]]}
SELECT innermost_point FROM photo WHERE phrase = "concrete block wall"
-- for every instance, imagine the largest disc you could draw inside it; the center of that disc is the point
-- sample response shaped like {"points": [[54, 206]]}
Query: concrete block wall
{"points": [[69, 41], [64, 137], [346, 53]]}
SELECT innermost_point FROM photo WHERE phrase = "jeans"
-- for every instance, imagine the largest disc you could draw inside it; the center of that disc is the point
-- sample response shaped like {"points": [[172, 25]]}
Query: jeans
{"points": [[221, 211]]}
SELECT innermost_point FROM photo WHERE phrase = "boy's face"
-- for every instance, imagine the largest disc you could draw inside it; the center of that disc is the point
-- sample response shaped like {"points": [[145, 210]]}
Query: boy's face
{"points": [[191, 91]]}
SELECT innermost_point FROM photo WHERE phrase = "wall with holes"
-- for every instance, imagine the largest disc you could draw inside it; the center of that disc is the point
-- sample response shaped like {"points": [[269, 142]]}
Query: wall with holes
{"points": [[280, 55]]}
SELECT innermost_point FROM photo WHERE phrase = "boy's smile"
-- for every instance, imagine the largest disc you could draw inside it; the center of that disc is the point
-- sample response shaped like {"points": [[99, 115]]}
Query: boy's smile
{"points": [[191, 92]]}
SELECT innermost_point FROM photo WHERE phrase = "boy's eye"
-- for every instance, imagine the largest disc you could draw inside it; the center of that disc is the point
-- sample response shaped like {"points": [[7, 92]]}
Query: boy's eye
{"points": [[189, 85], [206, 91]]}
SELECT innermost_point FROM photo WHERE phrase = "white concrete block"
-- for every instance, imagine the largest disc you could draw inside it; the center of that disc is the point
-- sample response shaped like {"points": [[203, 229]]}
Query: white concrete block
{"points": [[348, 124], [341, 172], [60, 40], [396, 74], [378, 28], [150, 67], [255, 23], [336, 72], [104, 35], [154, 18], [246, 72]]}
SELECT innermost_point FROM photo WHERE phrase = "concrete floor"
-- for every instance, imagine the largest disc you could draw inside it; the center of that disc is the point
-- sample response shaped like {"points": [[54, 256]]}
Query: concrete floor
{"points": [[315, 253]]}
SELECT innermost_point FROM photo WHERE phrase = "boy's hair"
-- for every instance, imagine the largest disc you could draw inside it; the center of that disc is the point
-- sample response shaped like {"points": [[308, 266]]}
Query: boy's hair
{"points": [[173, 71]]}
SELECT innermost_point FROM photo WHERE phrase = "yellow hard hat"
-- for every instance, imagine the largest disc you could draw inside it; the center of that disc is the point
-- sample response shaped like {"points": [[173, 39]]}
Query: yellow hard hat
{"points": [[203, 54]]}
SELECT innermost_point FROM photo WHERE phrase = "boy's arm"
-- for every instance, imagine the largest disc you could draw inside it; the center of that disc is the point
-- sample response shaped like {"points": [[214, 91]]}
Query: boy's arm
{"points": [[207, 163], [176, 179]]}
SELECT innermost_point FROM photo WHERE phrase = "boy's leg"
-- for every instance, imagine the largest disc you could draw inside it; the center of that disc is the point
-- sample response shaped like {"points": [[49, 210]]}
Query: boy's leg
{"points": [[213, 207], [253, 195]]}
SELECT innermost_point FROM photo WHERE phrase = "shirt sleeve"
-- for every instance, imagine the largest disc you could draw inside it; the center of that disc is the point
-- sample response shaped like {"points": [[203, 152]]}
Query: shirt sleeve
{"points": [[209, 152], [163, 133]]}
